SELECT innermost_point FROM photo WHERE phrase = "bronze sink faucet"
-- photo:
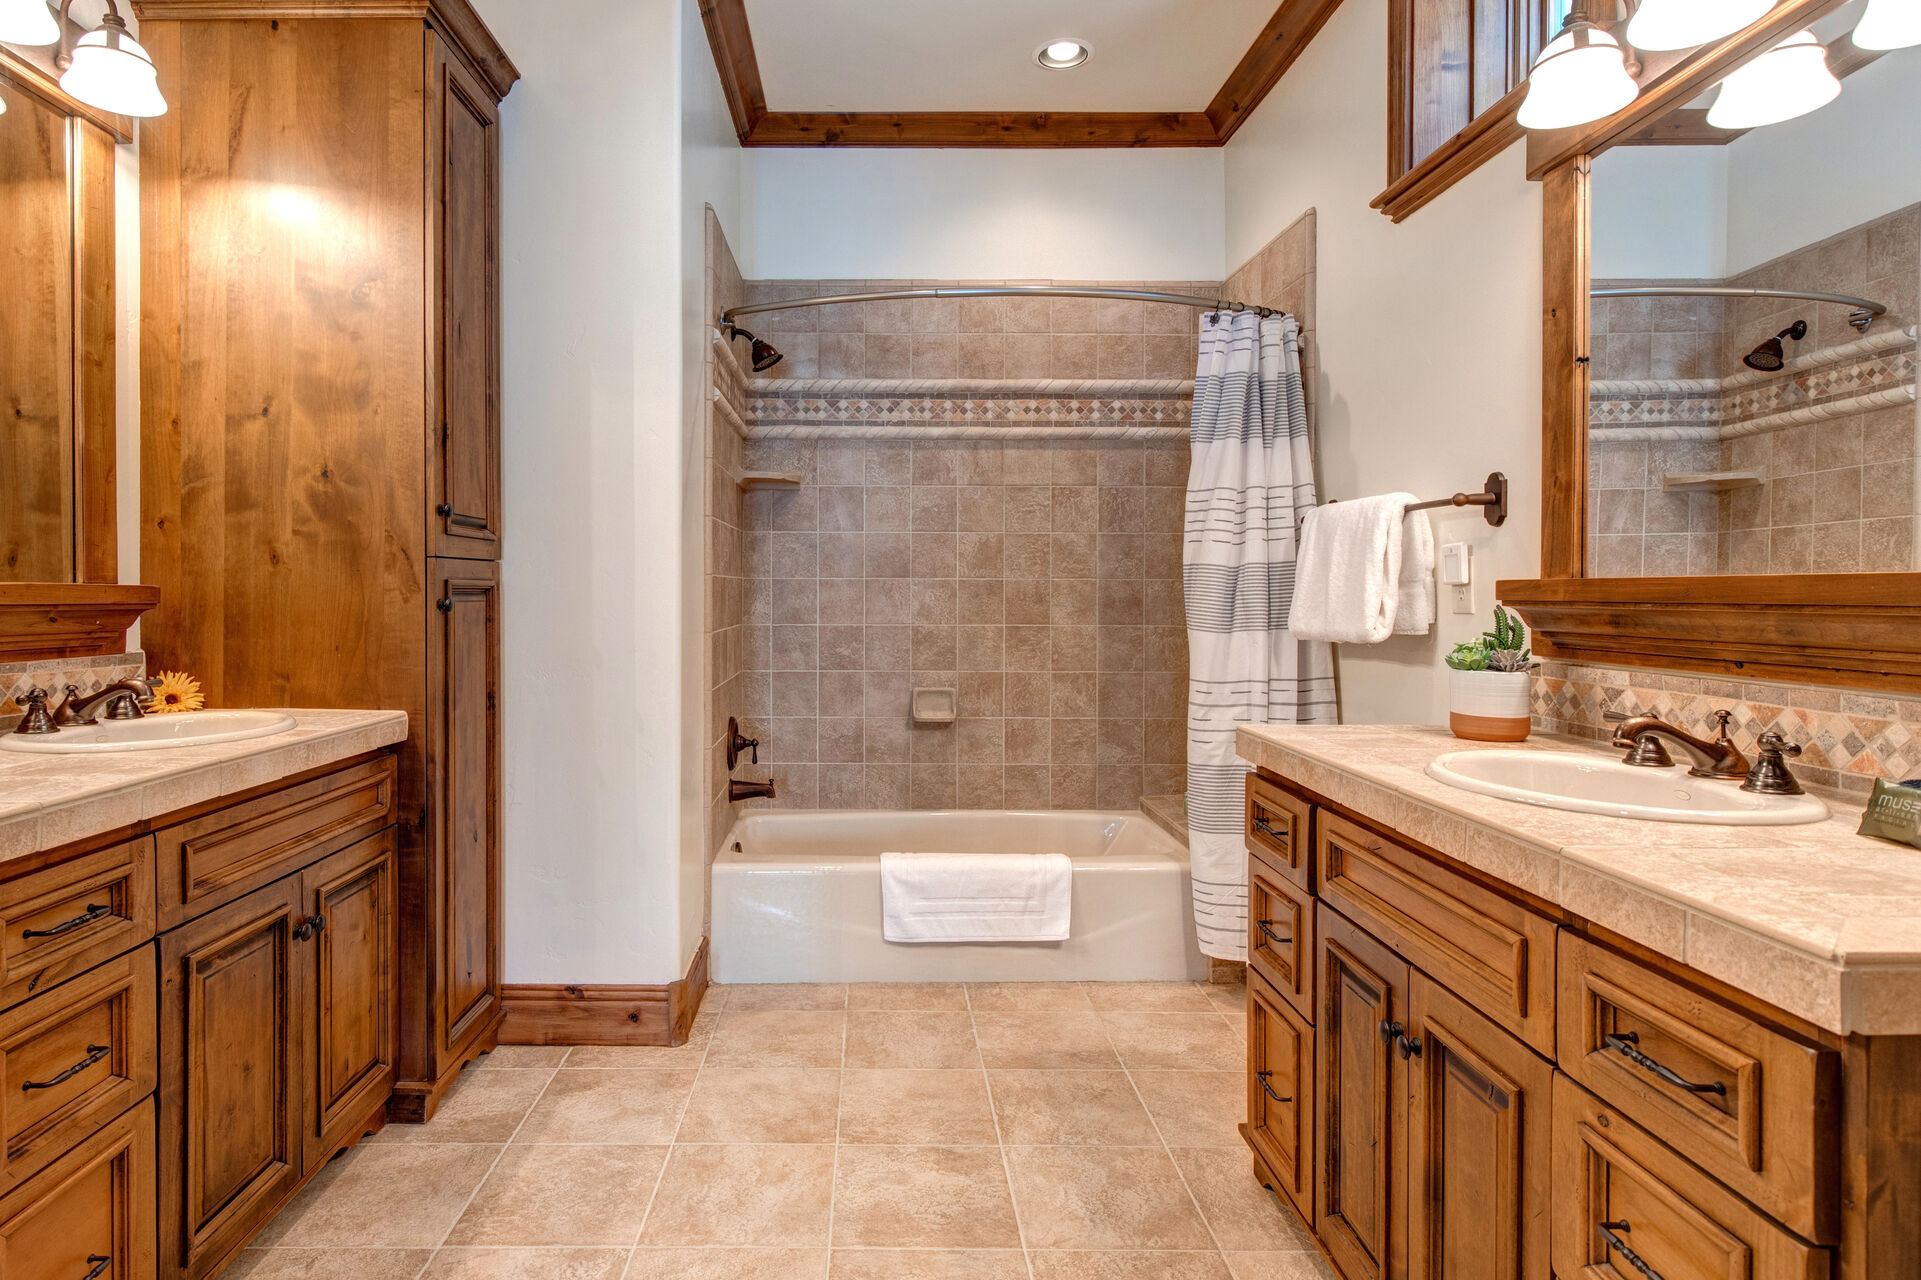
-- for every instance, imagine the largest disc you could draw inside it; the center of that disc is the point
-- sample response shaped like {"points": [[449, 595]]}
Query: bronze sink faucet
{"points": [[1642, 736]]}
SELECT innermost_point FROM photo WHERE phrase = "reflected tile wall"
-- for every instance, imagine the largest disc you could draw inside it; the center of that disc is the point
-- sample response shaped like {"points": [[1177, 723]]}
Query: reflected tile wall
{"points": [[89, 675]]}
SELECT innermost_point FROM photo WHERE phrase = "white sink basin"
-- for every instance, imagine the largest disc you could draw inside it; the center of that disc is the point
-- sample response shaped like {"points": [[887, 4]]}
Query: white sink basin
{"points": [[1584, 784], [152, 733]]}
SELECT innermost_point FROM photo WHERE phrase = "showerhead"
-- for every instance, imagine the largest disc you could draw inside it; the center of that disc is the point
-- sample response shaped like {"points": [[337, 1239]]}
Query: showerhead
{"points": [[1770, 355], [761, 354]]}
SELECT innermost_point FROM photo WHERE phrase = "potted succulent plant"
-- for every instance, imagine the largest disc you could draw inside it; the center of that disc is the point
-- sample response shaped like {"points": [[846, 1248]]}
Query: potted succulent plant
{"points": [[1488, 683]]}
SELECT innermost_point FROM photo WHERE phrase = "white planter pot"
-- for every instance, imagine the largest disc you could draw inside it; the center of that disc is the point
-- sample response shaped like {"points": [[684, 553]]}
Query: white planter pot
{"points": [[1489, 706]]}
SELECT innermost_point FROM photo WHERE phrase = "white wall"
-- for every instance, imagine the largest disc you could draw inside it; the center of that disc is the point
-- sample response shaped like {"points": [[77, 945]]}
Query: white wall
{"points": [[1806, 179], [1429, 331], [591, 281], [1660, 213], [818, 214]]}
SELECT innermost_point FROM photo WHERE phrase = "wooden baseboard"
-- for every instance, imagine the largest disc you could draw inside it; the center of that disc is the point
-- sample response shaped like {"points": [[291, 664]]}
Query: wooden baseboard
{"points": [[550, 1013]]}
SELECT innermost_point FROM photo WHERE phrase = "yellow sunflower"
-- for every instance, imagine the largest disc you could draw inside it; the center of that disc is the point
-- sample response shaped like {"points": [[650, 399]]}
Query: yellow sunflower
{"points": [[176, 691]]}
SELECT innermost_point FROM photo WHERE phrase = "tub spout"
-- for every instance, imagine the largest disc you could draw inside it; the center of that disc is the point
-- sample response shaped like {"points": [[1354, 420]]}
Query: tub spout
{"points": [[738, 790]]}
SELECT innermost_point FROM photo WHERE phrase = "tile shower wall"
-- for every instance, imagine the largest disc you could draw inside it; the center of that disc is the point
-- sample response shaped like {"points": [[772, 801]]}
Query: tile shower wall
{"points": [[1040, 580], [1282, 275], [1837, 496], [724, 576], [1848, 737]]}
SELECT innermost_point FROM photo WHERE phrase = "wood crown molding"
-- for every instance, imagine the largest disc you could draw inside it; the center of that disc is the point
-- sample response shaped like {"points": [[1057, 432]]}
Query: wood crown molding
{"points": [[1282, 40], [456, 20], [566, 1013], [1860, 630], [50, 620]]}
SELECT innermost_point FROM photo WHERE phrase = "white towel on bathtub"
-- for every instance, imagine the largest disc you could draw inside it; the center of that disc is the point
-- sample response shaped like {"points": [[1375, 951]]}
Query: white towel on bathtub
{"points": [[975, 897]]}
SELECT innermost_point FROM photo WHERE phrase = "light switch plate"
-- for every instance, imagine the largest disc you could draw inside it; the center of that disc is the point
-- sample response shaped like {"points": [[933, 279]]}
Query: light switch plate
{"points": [[1456, 564]]}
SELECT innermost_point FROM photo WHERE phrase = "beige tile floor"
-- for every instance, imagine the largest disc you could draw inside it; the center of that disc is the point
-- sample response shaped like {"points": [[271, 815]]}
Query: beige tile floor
{"points": [[1027, 1131]]}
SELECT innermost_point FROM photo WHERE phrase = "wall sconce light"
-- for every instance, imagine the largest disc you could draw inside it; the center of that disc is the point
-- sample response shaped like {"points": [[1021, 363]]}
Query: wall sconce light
{"points": [[1683, 24], [1582, 75], [1789, 80], [105, 68], [1889, 24]]}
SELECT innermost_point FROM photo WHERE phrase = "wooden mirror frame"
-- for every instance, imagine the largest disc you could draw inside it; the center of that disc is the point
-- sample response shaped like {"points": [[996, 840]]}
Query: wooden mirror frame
{"points": [[42, 620], [1855, 629]]}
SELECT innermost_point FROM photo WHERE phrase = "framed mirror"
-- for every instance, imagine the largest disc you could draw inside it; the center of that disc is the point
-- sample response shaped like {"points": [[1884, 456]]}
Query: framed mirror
{"points": [[59, 592], [1730, 425]]}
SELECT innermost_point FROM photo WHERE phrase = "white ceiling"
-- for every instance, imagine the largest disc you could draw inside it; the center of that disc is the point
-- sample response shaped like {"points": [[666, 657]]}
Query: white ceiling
{"points": [[978, 55]]}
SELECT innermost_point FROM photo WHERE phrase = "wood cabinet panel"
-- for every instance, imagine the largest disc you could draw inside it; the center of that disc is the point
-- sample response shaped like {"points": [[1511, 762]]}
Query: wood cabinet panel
{"points": [[463, 220], [88, 1213], [1280, 1093], [73, 1058], [1478, 1145], [63, 917], [1360, 1097], [349, 1046], [1280, 943], [1280, 828], [230, 1095], [1622, 1197], [1756, 1108], [464, 761], [1495, 953], [221, 855]]}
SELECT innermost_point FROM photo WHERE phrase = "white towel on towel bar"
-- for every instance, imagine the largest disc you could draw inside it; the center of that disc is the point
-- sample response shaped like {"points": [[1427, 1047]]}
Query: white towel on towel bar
{"points": [[975, 897], [1348, 578], [1414, 614]]}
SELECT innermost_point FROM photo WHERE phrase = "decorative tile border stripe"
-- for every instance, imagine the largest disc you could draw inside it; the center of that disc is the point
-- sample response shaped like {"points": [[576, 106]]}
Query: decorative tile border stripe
{"points": [[965, 409], [970, 388], [1871, 373], [1848, 738], [964, 431]]}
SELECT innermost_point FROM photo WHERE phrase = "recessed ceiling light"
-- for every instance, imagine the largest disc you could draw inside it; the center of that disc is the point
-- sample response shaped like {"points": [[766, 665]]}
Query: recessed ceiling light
{"points": [[1059, 55]]}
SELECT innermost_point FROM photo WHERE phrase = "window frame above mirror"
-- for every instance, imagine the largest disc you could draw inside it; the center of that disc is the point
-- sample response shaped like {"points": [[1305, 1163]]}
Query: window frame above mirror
{"points": [[91, 613], [1859, 630]]}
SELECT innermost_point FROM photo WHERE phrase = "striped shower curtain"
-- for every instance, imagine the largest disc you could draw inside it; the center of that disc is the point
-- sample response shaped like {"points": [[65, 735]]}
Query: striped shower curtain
{"points": [[1250, 479]]}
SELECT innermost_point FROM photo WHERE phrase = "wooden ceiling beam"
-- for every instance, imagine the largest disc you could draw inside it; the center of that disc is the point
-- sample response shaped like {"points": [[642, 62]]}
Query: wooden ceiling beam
{"points": [[1281, 41]]}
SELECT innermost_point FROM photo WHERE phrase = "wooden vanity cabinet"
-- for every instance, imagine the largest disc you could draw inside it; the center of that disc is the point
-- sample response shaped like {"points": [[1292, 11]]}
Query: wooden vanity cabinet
{"points": [[360, 495]]}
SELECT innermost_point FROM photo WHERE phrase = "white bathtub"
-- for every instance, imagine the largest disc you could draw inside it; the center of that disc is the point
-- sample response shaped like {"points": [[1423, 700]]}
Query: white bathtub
{"points": [[797, 899]]}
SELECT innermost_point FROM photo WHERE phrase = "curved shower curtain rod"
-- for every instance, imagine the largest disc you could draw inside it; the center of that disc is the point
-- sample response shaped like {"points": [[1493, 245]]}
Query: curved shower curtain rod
{"points": [[1864, 314], [999, 291]]}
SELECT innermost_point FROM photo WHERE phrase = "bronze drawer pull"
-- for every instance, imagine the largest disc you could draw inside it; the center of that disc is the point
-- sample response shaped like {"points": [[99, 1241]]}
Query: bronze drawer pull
{"points": [[1268, 1089], [1267, 931], [1390, 1031], [1393, 1033], [100, 1261], [95, 1052], [87, 917], [1620, 1246], [1267, 828], [309, 927], [1624, 1044]]}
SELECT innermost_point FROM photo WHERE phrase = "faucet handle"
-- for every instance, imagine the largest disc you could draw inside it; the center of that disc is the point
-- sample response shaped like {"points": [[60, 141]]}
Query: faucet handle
{"points": [[1615, 717], [1770, 775], [36, 720]]}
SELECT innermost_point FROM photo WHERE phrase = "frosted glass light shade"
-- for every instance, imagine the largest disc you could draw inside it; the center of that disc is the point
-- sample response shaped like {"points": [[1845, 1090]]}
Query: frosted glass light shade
{"points": [[1788, 80], [1580, 76], [1683, 24], [1889, 24], [111, 71], [28, 22]]}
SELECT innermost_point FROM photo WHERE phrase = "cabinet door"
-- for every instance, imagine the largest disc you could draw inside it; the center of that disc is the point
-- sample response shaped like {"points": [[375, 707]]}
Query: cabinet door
{"points": [[89, 1213], [229, 1076], [1479, 1145], [1361, 1085], [464, 310], [349, 1061], [1280, 1093], [463, 769]]}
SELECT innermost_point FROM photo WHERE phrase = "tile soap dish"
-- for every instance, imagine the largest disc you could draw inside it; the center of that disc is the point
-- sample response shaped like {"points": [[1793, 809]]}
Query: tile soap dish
{"points": [[935, 706]]}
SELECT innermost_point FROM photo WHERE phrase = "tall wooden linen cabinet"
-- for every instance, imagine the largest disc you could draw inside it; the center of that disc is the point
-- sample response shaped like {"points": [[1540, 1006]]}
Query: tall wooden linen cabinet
{"points": [[320, 424]]}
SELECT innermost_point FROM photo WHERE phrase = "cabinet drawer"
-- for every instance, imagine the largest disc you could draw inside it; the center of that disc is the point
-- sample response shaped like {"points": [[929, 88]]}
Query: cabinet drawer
{"points": [[1748, 1104], [1279, 829], [1496, 954], [60, 920], [1655, 1207], [220, 856], [92, 1208], [72, 1059], [1280, 942], [1280, 1093]]}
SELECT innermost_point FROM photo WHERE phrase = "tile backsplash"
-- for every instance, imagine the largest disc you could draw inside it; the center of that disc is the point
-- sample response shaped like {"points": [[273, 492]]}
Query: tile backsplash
{"points": [[1848, 737], [89, 675]]}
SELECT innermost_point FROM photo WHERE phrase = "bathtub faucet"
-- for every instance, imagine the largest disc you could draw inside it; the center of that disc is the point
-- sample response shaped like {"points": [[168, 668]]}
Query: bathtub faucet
{"points": [[738, 789]]}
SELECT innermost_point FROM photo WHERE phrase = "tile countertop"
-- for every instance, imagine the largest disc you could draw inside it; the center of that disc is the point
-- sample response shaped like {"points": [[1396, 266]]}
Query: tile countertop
{"points": [[1813, 919], [50, 800]]}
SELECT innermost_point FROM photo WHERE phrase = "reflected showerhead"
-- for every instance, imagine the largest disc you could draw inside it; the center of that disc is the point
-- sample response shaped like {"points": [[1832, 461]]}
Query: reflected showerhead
{"points": [[761, 354], [1770, 356]]}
